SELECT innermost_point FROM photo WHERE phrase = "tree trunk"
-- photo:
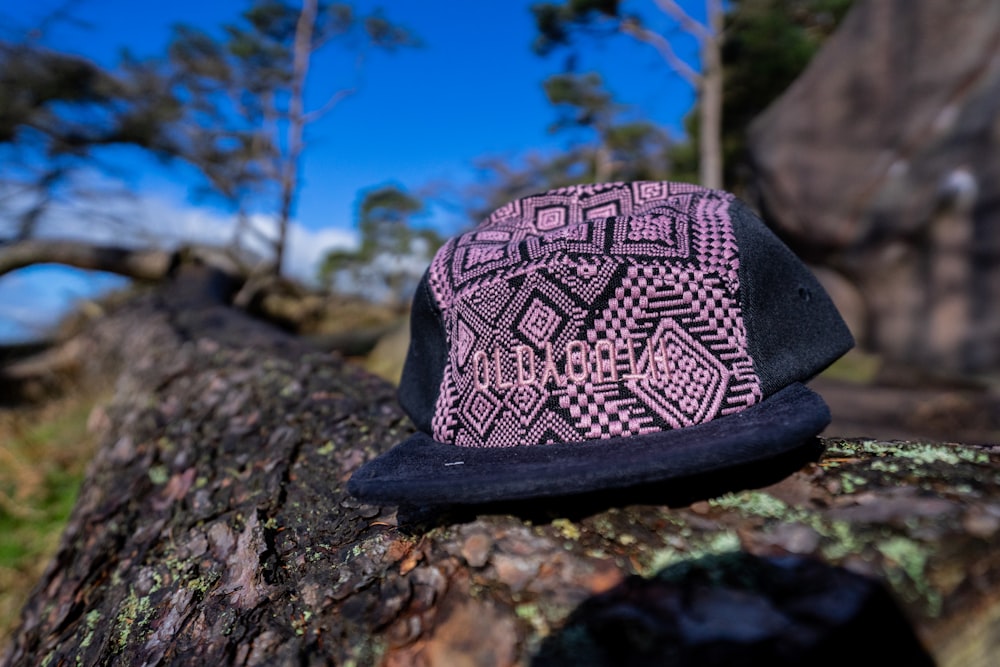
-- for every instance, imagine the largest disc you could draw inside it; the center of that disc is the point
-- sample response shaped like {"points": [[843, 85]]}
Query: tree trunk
{"points": [[214, 528], [141, 264], [710, 161], [302, 52]]}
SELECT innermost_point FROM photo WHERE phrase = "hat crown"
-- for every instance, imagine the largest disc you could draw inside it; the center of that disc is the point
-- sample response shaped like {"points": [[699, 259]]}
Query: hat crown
{"points": [[591, 312]]}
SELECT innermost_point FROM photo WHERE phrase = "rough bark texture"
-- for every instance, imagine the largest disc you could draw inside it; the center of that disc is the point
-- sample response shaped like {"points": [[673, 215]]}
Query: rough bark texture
{"points": [[880, 162], [214, 528]]}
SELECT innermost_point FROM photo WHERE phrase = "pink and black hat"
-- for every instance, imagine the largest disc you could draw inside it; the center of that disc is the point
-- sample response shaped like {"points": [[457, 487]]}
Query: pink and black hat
{"points": [[606, 336]]}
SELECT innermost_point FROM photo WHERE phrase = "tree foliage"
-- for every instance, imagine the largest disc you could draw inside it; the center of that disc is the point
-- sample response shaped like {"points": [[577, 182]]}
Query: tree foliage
{"points": [[606, 142], [764, 45], [229, 102], [393, 250], [243, 95], [56, 110], [557, 25], [557, 22]]}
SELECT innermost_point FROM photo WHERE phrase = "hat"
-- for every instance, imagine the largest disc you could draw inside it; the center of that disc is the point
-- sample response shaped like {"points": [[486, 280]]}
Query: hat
{"points": [[605, 336]]}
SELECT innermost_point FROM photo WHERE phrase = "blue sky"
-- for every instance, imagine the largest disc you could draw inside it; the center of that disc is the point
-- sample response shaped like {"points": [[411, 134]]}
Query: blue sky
{"points": [[421, 116]]}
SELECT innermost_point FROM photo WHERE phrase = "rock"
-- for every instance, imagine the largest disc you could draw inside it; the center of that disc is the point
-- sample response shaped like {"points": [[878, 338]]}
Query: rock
{"points": [[387, 358], [738, 609], [880, 163]]}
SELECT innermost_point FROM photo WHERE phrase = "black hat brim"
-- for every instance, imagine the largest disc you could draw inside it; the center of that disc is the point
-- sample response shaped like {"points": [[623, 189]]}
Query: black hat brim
{"points": [[421, 471]]}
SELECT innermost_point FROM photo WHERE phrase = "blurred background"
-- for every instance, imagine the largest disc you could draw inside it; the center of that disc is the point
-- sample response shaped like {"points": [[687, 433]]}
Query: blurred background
{"points": [[322, 152]]}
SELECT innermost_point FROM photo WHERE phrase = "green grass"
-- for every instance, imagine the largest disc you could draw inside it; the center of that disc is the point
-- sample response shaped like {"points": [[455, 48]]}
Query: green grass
{"points": [[44, 452]]}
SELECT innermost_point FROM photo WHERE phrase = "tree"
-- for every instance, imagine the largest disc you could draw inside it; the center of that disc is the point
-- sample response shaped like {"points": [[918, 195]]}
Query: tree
{"points": [[557, 22], [749, 54], [56, 112], [607, 143], [621, 148], [246, 98], [393, 252], [232, 106]]}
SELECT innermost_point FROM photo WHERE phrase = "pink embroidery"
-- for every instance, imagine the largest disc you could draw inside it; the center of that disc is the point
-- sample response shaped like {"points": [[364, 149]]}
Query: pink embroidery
{"points": [[592, 312]]}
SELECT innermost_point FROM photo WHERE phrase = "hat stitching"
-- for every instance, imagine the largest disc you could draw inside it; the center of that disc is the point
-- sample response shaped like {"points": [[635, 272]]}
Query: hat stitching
{"points": [[532, 359]]}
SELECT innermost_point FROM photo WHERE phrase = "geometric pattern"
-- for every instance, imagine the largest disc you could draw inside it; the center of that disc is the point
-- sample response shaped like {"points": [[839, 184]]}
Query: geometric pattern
{"points": [[592, 312]]}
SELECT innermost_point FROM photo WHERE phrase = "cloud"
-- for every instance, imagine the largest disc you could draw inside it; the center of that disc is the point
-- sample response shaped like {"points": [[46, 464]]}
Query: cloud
{"points": [[307, 247]]}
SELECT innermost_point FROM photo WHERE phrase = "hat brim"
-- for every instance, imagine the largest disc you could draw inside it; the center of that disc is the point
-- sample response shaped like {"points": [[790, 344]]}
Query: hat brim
{"points": [[421, 471]]}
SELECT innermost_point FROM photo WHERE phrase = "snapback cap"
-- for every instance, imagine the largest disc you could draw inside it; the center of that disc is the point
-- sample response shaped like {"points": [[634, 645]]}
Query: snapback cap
{"points": [[606, 336]]}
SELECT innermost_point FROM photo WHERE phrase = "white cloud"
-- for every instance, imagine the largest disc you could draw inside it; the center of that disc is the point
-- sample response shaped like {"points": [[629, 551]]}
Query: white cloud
{"points": [[307, 247]]}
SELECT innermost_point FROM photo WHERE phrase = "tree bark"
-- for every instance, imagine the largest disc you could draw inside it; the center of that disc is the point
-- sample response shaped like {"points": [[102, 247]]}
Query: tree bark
{"points": [[707, 82], [710, 161], [289, 167], [214, 528], [141, 264]]}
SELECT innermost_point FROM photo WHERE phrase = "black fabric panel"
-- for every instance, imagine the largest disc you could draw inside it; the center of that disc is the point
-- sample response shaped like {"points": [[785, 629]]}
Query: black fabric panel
{"points": [[422, 471], [793, 329], [423, 371]]}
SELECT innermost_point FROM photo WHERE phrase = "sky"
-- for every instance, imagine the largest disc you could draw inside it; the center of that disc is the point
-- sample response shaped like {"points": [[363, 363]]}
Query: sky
{"points": [[420, 117]]}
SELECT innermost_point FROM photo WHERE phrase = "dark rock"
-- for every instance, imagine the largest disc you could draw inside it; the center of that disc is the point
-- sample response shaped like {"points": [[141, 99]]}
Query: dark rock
{"points": [[880, 162], [738, 609]]}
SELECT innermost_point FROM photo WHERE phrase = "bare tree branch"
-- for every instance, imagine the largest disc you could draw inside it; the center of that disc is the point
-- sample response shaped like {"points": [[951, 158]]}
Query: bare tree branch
{"points": [[696, 29], [335, 99], [340, 95], [132, 263], [296, 123], [707, 83], [710, 102], [63, 13], [666, 50]]}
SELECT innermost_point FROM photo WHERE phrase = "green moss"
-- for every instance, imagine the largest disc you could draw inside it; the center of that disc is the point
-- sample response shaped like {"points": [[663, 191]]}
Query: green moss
{"points": [[905, 561], [842, 539], [716, 543], [567, 529], [887, 466], [158, 474], [541, 616], [922, 453], [855, 366], [45, 454], [91, 620], [201, 584], [604, 526], [527, 612], [753, 503], [134, 615], [908, 576], [850, 483]]}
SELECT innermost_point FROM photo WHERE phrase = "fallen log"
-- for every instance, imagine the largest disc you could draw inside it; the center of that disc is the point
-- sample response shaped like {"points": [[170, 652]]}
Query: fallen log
{"points": [[214, 528]]}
